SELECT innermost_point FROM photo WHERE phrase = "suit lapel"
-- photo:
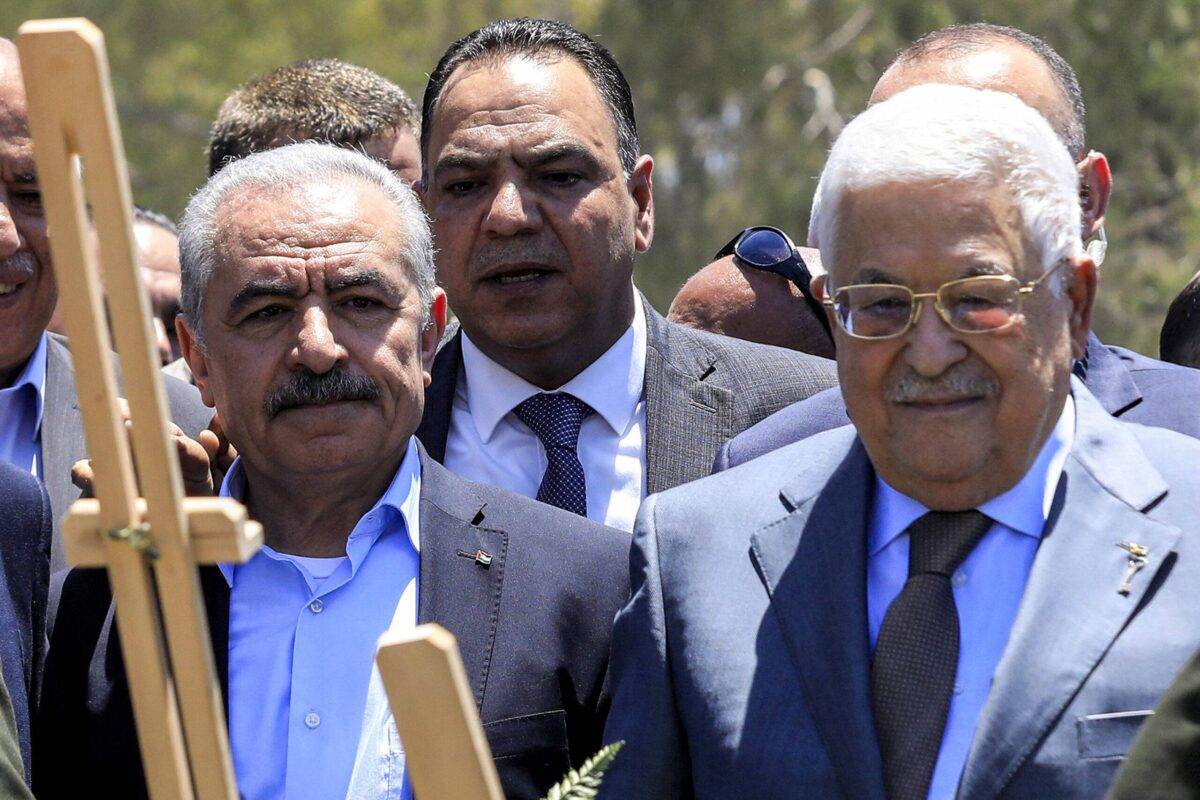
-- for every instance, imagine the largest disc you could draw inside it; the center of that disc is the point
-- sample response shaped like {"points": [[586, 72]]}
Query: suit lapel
{"points": [[457, 590], [62, 437], [687, 418], [1107, 378], [439, 397], [814, 565], [1071, 611]]}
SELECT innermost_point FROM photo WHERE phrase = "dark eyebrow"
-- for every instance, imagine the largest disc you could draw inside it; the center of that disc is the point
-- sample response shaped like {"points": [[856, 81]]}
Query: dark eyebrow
{"points": [[25, 177], [540, 157], [459, 161], [367, 277], [263, 287]]}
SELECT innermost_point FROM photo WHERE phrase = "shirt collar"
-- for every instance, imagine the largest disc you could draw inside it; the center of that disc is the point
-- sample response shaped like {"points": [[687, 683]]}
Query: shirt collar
{"points": [[1024, 508], [403, 496], [611, 385], [33, 375]]}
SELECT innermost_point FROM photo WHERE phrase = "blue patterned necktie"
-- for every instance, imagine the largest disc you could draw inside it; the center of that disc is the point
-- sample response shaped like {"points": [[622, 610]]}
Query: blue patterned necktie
{"points": [[555, 419]]}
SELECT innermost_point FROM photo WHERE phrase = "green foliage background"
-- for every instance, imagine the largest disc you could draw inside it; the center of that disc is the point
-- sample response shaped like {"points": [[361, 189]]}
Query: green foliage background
{"points": [[738, 100]]}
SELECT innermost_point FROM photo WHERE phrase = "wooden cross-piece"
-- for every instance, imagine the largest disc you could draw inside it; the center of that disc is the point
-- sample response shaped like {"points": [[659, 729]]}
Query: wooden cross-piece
{"points": [[145, 543], [445, 752]]}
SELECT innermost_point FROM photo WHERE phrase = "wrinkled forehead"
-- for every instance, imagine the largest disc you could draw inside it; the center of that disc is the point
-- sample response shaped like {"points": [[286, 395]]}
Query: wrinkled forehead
{"points": [[349, 222], [16, 146], [920, 234]]}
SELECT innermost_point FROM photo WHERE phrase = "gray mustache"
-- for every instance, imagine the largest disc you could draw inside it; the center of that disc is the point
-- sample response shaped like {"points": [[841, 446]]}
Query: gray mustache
{"points": [[307, 388], [913, 388], [21, 264]]}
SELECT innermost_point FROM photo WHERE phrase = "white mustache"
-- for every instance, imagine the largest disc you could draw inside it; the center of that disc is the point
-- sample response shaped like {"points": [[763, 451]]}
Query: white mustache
{"points": [[957, 383]]}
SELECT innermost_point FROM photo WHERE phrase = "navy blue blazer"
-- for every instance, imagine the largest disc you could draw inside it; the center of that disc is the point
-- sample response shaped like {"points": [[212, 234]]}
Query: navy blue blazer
{"points": [[25, 526], [1128, 385]]}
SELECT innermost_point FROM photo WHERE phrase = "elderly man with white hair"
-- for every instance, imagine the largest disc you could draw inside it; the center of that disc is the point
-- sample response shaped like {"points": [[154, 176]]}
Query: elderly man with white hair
{"points": [[981, 587], [310, 320]]}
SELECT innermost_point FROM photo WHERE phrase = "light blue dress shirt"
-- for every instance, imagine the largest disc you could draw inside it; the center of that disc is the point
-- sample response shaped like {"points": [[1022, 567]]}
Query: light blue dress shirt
{"points": [[21, 413], [987, 586], [302, 648]]}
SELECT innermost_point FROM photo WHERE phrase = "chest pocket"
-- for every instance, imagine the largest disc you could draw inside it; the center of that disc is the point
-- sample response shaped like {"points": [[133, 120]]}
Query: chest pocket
{"points": [[531, 752], [1107, 737]]}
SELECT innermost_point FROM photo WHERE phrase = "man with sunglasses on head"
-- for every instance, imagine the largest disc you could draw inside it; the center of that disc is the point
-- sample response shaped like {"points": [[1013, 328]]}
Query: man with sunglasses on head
{"points": [[1128, 384], [562, 382], [757, 290], [980, 588]]}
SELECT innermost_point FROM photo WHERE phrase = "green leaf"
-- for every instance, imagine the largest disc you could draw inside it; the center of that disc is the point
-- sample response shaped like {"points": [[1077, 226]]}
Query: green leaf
{"points": [[584, 783]]}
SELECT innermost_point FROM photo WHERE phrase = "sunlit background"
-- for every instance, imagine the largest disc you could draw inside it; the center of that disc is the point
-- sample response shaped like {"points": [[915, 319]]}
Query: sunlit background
{"points": [[737, 100]]}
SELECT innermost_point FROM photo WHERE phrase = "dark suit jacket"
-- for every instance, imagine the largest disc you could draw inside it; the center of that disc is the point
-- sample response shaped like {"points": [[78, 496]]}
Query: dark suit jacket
{"points": [[25, 523], [63, 441], [533, 628], [1127, 384], [701, 389]]}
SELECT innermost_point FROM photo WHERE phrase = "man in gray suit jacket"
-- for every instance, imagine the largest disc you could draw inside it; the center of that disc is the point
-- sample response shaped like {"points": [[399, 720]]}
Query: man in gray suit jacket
{"points": [[538, 220], [41, 430], [982, 589]]}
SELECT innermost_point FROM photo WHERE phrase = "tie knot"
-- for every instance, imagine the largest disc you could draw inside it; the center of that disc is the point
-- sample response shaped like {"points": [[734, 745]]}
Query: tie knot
{"points": [[554, 418], [940, 540]]}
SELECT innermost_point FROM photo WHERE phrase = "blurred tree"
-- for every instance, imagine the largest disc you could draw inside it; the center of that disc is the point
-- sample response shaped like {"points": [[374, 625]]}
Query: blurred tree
{"points": [[738, 101]]}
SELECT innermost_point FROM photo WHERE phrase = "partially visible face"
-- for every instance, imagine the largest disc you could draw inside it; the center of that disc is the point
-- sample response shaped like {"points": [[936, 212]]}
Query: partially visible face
{"points": [[1003, 66], [312, 284], [953, 419], [28, 292], [158, 255], [536, 224], [399, 151]]}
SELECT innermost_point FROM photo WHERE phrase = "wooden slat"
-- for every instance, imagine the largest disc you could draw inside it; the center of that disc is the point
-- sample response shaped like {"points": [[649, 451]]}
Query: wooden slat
{"points": [[210, 520], [73, 120], [446, 754]]}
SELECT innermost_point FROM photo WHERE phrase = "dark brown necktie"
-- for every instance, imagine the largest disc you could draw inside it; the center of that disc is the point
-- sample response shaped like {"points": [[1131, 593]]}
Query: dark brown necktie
{"points": [[916, 654]]}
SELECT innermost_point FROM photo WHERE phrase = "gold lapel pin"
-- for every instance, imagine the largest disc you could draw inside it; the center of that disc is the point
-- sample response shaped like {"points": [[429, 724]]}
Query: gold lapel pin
{"points": [[1138, 557]]}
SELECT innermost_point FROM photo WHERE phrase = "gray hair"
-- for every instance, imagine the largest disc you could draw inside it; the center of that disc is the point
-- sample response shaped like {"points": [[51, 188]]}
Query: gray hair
{"points": [[286, 168], [956, 134]]}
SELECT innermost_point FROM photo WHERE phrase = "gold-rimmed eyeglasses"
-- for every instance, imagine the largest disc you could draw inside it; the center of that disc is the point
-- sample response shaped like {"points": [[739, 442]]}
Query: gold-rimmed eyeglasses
{"points": [[980, 304]]}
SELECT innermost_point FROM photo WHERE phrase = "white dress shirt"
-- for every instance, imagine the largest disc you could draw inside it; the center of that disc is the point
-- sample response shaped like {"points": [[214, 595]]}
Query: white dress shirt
{"points": [[487, 443], [987, 586]]}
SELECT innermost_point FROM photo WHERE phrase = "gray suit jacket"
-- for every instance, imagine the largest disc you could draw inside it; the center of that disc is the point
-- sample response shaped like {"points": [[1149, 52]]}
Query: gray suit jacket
{"points": [[63, 441], [741, 665], [701, 389]]}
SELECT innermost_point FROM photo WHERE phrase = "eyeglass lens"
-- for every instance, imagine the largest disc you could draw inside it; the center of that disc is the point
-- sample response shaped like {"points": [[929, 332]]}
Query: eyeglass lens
{"points": [[879, 310], [763, 248]]}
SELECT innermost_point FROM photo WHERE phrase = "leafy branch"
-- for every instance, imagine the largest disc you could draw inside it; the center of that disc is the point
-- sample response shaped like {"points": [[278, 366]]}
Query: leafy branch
{"points": [[584, 783]]}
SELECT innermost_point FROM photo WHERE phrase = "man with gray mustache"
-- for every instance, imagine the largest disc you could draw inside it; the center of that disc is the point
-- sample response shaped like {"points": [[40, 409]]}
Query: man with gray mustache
{"points": [[310, 317], [980, 588]]}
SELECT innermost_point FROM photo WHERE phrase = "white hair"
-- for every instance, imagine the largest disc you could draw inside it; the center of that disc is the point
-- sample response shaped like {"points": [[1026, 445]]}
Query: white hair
{"points": [[953, 134], [282, 169]]}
